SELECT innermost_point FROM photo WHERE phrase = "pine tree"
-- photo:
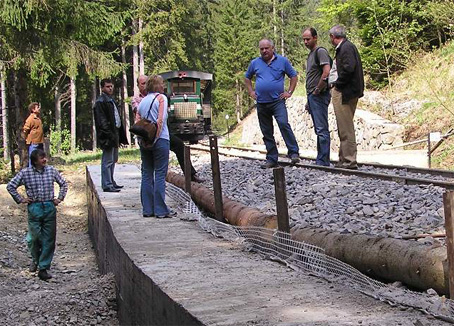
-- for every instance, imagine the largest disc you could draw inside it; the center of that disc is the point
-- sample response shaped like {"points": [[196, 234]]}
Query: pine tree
{"points": [[236, 43]]}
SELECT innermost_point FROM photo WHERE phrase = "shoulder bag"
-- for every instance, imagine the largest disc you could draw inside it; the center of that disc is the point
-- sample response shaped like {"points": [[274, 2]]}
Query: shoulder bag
{"points": [[145, 128]]}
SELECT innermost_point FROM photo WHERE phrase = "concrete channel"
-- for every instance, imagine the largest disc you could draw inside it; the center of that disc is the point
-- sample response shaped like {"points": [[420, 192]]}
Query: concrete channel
{"points": [[171, 272]]}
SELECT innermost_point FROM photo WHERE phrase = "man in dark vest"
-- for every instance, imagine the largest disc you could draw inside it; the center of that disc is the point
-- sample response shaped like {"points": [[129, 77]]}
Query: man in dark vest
{"points": [[347, 81], [110, 134]]}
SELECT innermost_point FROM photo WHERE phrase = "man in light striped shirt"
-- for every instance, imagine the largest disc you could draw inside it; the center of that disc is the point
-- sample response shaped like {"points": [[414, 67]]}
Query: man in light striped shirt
{"points": [[42, 213]]}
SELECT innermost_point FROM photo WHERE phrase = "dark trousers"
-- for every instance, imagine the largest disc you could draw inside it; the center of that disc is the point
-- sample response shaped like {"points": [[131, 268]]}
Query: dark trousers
{"points": [[177, 146], [265, 114], [318, 108], [108, 159], [42, 229]]}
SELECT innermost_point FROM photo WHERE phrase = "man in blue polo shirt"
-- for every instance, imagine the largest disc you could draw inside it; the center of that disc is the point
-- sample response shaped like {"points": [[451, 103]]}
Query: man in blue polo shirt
{"points": [[270, 70]]}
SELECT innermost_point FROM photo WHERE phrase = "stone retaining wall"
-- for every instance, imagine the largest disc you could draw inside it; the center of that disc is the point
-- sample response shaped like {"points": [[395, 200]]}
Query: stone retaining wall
{"points": [[140, 300], [372, 131]]}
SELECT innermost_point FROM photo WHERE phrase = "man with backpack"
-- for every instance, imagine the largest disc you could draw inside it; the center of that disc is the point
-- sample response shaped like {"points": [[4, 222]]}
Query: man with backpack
{"points": [[318, 67]]}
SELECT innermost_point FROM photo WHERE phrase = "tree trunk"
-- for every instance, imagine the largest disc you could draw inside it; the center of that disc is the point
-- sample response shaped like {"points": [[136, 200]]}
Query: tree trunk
{"points": [[57, 118], [20, 95], [274, 21], [141, 55], [237, 106], [124, 95], [4, 112], [94, 95], [282, 33], [135, 62], [241, 101], [73, 114]]}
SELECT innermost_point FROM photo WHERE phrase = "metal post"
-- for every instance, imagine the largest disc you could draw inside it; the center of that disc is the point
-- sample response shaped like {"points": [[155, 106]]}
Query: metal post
{"points": [[227, 123], [448, 203], [216, 179], [429, 152], [281, 200], [187, 168]]}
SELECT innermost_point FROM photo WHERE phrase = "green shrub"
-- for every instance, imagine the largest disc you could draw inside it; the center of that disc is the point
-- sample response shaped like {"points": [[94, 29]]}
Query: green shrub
{"points": [[5, 172], [60, 142]]}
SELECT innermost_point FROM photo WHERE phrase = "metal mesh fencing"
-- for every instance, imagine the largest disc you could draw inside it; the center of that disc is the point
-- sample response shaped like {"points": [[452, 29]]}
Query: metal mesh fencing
{"points": [[300, 256]]}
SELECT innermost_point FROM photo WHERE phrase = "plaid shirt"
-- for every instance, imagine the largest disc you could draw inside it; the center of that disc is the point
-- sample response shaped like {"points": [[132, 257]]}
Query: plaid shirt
{"points": [[39, 185]]}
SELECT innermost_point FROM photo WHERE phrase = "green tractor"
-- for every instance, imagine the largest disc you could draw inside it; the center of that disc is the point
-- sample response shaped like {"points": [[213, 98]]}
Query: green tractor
{"points": [[189, 94]]}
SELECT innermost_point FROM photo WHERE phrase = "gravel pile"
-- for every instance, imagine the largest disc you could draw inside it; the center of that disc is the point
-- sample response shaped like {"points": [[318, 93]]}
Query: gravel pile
{"points": [[346, 204]]}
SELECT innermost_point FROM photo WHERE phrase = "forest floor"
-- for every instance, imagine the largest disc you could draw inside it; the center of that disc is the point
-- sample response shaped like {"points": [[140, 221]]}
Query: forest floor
{"points": [[77, 294]]}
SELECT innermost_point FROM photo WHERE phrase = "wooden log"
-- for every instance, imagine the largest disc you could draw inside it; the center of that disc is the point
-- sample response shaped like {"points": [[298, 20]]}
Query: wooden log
{"points": [[410, 262], [424, 235]]}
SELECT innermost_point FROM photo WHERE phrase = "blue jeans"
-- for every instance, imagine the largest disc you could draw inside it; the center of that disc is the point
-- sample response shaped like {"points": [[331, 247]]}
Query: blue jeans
{"points": [[108, 160], [155, 163], [42, 229], [31, 148], [318, 108], [265, 113]]}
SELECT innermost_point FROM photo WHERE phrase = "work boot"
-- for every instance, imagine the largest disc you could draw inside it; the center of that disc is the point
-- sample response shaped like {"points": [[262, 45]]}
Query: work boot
{"points": [[33, 267], [268, 165], [295, 159], [44, 275], [197, 179]]}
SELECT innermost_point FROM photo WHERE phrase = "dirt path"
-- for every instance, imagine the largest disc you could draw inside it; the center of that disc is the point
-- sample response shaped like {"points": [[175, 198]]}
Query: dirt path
{"points": [[77, 294]]}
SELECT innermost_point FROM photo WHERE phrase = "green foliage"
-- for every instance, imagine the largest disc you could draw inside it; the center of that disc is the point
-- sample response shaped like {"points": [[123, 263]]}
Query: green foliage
{"points": [[5, 172], [172, 30], [46, 41], [234, 47], [333, 12], [391, 31], [232, 139], [125, 155], [45, 36], [60, 142]]}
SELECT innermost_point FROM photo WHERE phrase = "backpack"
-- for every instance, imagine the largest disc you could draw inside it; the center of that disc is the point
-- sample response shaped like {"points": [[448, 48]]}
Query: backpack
{"points": [[317, 60]]}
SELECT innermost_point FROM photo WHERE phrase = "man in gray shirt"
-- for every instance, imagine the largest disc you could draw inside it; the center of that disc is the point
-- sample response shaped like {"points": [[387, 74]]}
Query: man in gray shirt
{"points": [[318, 96]]}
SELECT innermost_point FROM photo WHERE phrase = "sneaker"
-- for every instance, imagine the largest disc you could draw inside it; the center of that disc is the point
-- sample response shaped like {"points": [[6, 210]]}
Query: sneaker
{"points": [[33, 267], [163, 216], [44, 275], [148, 215], [268, 165], [171, 214], [295, 159]]}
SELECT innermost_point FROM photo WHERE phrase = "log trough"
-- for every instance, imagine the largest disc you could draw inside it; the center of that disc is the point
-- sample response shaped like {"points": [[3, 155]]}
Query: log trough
{"points": [[417, 265]]}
